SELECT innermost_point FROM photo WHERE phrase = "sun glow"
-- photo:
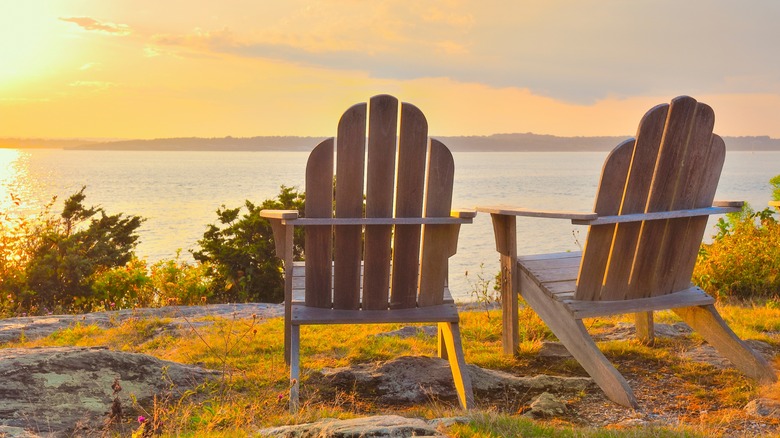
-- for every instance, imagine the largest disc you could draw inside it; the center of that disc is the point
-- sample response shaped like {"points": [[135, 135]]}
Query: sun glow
{"points": [[28, 40]]}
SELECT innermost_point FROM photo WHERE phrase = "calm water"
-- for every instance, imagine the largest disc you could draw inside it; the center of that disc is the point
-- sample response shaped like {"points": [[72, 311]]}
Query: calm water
{"points": [[178, 192]]}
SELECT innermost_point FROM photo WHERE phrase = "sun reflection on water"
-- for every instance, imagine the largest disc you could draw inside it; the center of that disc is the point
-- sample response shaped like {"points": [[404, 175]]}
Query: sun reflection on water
{"points": [[15, 186]]}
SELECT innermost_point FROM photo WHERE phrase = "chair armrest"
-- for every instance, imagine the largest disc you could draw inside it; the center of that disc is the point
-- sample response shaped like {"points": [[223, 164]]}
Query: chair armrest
{"points": [[279, 214], [552, 214], [464, 214], [660, 215], [737, 204], [337, 221]]}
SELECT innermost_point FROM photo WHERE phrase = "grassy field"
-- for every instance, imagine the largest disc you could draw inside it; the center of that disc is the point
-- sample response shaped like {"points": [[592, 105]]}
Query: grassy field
{"points": [[684, 397]]}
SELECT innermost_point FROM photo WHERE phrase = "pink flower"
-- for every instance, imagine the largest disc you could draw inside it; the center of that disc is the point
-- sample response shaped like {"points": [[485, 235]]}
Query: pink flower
{"points": [[141, 419]]}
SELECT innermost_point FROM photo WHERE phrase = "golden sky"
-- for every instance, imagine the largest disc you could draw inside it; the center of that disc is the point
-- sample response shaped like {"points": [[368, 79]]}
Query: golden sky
{"points": [[168, 68]]}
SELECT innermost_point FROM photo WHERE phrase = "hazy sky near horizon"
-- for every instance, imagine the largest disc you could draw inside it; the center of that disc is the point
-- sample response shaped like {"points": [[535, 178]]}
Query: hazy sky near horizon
{"points": [[151, 68]]}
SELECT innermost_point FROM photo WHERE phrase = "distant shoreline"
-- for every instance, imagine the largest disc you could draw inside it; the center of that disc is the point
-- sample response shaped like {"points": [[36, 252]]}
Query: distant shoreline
{"points": [[527, 142]]}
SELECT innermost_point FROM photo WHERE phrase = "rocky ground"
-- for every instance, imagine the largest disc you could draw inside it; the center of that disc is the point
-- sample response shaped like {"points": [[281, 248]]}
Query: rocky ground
{"points": [[71, 390]]}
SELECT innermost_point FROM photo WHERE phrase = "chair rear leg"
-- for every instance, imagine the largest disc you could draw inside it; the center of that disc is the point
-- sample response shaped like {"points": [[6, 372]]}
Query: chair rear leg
{"points": [[295, 347], [449, 333], [645, 329], [575, 337], [707, 321]]}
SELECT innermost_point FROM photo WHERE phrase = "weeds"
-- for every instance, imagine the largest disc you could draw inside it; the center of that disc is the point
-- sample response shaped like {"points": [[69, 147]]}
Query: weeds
{"points": [[487, 296]]}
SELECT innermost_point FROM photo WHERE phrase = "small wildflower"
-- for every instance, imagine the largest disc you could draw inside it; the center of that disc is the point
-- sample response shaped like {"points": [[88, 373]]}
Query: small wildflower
{"points": [[203, 300], [141, 419], [254, 316], [281, 396]]}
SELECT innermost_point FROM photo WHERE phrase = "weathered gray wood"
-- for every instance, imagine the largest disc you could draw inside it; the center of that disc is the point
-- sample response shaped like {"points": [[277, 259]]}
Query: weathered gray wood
{"points": [[505, 229], [572, 333], [360, 286], [707, 322], [379, 221], [279, 214], [648, 141], [436, 239], [589, 309], [646, 247], [412, 147], [659, 215], [691, 192], [295, 369], [288, 276], [299, 285], [318, 245], [350, 160], [551, 214], [303, 315], [380, 182], [645, 328], [566, 260], [666, 185], [689, 250], [598, 244]]}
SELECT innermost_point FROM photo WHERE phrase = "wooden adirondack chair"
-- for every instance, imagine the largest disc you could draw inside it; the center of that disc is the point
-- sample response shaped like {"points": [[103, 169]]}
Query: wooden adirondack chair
{"points": [[650, 215], [385, 260]]}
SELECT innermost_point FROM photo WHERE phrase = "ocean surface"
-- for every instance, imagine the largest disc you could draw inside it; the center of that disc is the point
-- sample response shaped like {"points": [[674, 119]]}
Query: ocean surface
{"points": [[179, 192]]}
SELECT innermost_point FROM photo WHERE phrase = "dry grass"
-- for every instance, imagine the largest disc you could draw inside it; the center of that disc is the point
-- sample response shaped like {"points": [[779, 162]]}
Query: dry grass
{"points": [[679, 397]]}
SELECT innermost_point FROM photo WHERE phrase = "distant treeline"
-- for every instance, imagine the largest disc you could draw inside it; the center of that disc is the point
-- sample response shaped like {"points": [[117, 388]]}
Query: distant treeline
{"points": [[493, 143]]}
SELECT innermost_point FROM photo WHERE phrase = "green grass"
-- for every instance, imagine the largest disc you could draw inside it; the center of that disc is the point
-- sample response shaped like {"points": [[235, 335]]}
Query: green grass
{"points": [[252, 393]]}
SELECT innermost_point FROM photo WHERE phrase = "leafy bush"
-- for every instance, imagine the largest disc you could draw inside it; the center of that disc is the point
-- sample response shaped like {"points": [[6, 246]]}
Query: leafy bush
{"points": [[49, 262], [240, 251], [743, 261], [121, 287], [775, 181], [166, 282], [177, 282]]}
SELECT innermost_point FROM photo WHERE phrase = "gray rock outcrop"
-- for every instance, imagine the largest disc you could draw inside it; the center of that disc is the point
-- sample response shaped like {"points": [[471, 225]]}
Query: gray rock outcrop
{"points": [[34, 327], [62, 391], [382, 426], [416, 379]]}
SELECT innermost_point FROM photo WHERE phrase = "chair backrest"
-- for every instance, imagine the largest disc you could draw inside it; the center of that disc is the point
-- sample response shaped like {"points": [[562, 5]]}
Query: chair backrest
{"points": [[674, 163], [403, 266]]}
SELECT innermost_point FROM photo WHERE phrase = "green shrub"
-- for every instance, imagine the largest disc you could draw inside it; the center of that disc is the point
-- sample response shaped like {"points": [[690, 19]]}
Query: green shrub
{"points": [[49, 262], [121, 287], [743, 261], [775, 181], [240, 251], [177, 282]]}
